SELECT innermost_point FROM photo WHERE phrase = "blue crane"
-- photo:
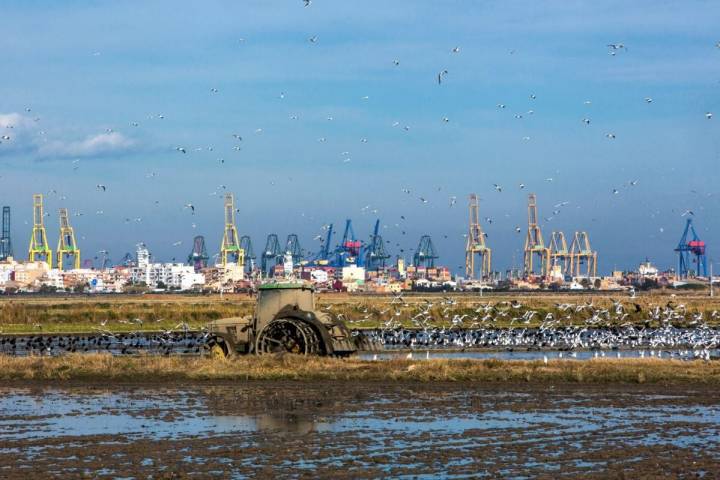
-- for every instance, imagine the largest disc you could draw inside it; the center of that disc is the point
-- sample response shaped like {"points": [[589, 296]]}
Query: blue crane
{"points": [[375, 254], [348, 252], [691, 250], [425, 254]]}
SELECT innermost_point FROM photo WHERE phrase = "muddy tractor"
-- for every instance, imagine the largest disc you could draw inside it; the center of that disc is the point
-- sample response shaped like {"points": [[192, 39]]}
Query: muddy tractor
{"points": [[285, 321]]}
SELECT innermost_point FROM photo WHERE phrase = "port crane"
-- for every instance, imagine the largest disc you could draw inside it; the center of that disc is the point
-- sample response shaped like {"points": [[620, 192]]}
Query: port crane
{"points": [[691, 250]]}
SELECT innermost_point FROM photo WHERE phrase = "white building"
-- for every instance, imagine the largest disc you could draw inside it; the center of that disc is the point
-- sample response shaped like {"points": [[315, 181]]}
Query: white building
{"points": [[172, 275], [647, 269]]}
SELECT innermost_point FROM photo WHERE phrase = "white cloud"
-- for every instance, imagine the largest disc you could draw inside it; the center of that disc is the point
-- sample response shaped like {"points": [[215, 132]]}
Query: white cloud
{"points": [[94, 145], [22, 134]]}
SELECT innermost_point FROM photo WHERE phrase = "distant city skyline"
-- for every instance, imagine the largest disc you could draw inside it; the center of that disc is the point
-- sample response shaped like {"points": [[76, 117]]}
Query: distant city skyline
{"points": [[125, 112]]}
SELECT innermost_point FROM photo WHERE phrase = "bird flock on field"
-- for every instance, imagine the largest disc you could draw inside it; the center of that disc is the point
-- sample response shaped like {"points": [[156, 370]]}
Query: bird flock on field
{"points": [[509, 324]]}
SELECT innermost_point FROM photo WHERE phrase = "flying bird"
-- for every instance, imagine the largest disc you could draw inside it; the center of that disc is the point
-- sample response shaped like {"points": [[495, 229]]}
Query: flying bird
{"points": [[181, 149], [440, 76], [100, 186], [456, 50], [191, 207]]}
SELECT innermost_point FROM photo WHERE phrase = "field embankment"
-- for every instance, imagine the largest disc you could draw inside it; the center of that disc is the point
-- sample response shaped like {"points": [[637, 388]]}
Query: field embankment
{"points": [[153, 369]]}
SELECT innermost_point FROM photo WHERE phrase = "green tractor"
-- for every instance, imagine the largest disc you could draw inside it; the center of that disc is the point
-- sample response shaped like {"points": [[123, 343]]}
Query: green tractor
{"points": [[285, 321]]}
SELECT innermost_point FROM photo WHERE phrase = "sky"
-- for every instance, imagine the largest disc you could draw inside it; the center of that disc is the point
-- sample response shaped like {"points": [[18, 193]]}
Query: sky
{"points": [[311, 115]]}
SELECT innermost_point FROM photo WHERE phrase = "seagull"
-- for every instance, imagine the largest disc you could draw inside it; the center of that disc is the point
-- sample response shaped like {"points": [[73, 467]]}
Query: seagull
{"points": [[214, 90], [456, 50], [396, 62], [181, 149], [586, 121], [617, 46], [522, 185], [615, 191], [440, 76], [307, 2], [688, 212], [191, 207], [497, 187], [611, 136], [648, 100], [313, 39], [708, 115], [100, 186]]}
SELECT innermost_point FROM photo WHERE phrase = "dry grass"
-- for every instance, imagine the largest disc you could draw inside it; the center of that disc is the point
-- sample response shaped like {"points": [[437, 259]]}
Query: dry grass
{"points": [[104, 368], [161, 312]]}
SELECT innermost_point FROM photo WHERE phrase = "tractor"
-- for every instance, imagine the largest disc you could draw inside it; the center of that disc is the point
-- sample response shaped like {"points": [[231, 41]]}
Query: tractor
{"points": [[285, 321]]}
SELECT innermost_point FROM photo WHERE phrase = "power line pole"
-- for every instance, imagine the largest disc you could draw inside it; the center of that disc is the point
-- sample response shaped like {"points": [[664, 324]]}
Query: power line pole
{"points": [[711, 279]]}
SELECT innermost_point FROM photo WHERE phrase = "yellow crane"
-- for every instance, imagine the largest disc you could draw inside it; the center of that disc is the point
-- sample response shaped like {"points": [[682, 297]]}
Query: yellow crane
{"points": [[39, 249], [534, 244], [582, 254], [559, 253], [476, 243], [230, 248], [67, 246]]}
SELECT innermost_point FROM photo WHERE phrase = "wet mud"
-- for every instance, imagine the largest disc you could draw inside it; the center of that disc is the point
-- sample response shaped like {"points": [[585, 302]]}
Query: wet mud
{"points": [[353, 430]]}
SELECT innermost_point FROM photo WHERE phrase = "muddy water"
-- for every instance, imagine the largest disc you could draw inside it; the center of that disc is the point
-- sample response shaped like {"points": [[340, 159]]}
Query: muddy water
{"points": [[286, 429]]}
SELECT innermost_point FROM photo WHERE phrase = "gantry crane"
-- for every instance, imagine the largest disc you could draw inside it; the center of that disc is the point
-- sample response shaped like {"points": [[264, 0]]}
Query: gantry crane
{"points": [[475, 244], [375, 253], [67, 245], [272, 255], [39, 249], [425, 255], [691, 250], [348, 252], [534, 244], [292, 246], [246, 245], [230, 248], [6, 249], [581, 254], [198, 257], [559, 253]]}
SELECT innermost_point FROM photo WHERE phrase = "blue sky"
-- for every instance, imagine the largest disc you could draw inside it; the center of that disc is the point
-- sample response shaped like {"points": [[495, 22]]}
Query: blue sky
{"points": [[114, 88]]}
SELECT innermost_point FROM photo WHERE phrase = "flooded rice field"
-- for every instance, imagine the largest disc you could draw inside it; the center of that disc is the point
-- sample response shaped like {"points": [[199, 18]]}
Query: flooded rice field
{"points": [[343, 430]]}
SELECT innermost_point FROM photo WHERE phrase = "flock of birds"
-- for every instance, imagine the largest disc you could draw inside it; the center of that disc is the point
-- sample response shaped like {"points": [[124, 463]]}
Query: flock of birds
{"points": [[236, 141], [133, 343], [670, 329]]}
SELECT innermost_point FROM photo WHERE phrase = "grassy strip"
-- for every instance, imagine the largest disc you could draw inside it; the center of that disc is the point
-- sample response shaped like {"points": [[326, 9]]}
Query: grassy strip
{"points": [[105, 368]]}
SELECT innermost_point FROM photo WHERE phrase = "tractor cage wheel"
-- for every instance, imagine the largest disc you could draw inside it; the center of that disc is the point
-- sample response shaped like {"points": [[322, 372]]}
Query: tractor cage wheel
{"points": [[289, 335]]}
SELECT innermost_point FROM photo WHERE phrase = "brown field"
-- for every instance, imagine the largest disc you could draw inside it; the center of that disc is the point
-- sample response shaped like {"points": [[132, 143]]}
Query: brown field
{"points": [[162, 312], [104, 368]]}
